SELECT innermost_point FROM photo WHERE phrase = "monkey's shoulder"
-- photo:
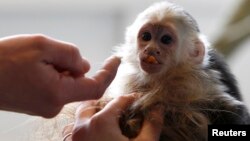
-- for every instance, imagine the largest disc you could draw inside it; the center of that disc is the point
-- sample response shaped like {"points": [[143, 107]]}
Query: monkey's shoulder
{"points": [[217, 63]]}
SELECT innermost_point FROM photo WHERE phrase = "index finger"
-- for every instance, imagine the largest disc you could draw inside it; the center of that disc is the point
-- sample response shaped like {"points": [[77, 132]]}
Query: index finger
{"points": [[119, 104], [84, 88], [62, 55], [152, 127]]}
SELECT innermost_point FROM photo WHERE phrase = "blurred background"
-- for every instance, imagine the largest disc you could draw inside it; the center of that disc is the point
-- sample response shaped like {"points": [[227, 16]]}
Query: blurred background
{"points": [[97, 26]]}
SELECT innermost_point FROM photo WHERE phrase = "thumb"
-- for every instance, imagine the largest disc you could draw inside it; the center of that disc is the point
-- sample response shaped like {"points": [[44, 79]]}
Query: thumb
{"points": [[106, 74]]}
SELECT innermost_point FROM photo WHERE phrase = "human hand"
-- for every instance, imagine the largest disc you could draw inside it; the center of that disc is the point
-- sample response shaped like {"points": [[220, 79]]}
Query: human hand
{"points": [[38, 75], [104, 125]]}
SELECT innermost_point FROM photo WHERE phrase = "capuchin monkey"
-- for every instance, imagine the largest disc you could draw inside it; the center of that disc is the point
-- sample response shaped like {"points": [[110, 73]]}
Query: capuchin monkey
{"points": [[169, 63]]}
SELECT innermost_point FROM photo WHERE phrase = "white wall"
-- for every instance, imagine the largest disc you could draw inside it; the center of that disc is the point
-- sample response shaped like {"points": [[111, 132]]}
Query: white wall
{"points": [[96, 26], [240, 65]]}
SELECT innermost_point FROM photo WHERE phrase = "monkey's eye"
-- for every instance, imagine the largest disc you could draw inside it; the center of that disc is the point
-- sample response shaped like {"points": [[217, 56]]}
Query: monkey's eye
{"points": [[146, 36], [166, 39]]}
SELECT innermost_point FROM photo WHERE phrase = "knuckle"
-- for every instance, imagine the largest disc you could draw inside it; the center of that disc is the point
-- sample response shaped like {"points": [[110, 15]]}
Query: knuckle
{"points": [[94, 121], [38, 40], [97, 121], [74, 54], [74, 50]]}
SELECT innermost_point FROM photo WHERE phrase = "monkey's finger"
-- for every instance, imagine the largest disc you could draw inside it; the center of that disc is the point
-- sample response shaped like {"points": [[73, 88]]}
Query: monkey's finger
{"points": [[152, 127]]}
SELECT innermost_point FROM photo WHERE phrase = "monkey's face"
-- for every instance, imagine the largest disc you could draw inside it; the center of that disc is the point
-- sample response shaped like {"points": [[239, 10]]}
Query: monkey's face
{"points": [[156, 46]]}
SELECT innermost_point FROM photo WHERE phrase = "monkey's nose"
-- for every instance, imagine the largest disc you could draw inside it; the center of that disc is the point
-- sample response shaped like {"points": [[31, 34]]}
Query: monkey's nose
{"points": [[152, 52]]}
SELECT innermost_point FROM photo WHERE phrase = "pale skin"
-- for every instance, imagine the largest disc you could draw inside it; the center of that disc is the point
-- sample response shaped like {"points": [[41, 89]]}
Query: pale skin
{"points": [[39, 75], [103, 125]]}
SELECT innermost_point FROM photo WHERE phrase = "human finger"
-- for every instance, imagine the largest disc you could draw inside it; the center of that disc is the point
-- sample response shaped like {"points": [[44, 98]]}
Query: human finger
{"points": [[68, 129], [63, 56], [118, 105], [106, 74], [84, 88], [86, 110], [83, 116], [152, 126]]}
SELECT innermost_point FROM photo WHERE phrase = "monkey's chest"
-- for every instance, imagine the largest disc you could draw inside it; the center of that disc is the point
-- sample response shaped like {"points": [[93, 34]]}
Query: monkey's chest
{"points": [[179, 122]]}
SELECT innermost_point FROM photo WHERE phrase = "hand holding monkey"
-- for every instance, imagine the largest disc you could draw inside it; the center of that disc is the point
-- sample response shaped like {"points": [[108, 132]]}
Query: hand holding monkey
{"points": [[104, 125]]}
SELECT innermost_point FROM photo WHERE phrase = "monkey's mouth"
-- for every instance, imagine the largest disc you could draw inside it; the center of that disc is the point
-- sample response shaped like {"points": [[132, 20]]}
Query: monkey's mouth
{"points": [[150, 60], [150, 64]]}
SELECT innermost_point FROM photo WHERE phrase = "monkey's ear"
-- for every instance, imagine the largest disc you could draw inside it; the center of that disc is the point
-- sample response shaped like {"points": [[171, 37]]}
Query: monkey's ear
{"points": [[198, 52]]}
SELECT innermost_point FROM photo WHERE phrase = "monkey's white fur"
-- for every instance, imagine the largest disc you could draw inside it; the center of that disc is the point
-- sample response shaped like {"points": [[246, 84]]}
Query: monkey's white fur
{"points": [[188, 81], [129, 54]]}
